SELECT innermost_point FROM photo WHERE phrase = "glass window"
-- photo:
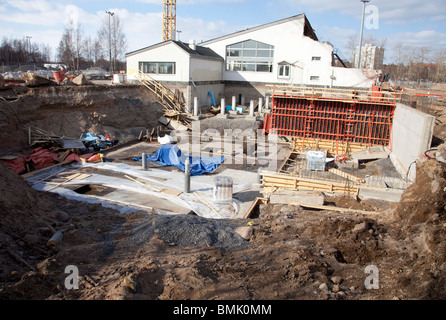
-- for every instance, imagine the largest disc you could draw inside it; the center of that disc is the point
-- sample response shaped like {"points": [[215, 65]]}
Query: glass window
{"points": [[263, 67], [234, 53], [250, 44], [284, 71], [166, 68], [249, 67], [263, 53], [157, 67], [316, 58], [314, 78], [250, 55]]}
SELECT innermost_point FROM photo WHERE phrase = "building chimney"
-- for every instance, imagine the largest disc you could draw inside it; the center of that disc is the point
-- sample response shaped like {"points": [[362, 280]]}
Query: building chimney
{"points": [[192, 45]]}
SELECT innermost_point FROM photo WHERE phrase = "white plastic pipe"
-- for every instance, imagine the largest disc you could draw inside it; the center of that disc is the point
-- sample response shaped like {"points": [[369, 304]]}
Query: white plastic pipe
{"points": [[223, 107], [196, 107]]}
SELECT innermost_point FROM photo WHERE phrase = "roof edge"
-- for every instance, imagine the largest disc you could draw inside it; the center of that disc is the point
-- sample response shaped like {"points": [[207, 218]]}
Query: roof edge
{"points": [[296, 17]]}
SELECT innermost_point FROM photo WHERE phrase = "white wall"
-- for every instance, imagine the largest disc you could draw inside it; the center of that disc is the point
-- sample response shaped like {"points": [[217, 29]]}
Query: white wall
{"points": [[349, 77], [289, 45], [203, 69], [165, 52]]}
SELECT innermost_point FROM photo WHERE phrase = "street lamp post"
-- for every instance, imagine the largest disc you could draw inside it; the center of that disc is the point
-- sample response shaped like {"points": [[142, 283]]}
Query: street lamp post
{"points": [[362, 29], [110, 14]]}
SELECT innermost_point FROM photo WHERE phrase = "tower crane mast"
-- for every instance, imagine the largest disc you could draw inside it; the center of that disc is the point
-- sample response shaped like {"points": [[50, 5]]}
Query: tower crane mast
{"points": [[169, 20]]}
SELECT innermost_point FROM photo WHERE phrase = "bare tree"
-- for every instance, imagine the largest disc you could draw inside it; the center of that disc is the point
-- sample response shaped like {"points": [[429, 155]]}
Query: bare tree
{"points": [[351, 46], [112, 38], [119, 41], [71, 47], [65, 51], [97, 51], [439, 58]]}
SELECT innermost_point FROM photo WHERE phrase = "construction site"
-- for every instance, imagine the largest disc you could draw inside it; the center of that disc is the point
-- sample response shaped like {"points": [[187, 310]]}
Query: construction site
{"points": [[149, 192]]}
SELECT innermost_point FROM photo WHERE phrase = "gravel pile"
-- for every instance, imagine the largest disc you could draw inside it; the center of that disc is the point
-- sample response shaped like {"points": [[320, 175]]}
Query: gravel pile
{"points": [[190, 230]]}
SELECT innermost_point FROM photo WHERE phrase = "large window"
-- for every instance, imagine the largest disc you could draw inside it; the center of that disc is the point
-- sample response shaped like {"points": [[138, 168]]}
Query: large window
{"points": [[157, 67], [250, 55]]}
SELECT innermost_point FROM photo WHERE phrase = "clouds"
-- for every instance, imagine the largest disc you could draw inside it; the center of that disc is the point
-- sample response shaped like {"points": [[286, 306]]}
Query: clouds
{"points": [[413, 21], [391, 12]]}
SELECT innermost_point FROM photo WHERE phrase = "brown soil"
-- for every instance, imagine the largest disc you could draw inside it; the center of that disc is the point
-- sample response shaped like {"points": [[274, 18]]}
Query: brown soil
{"points": [[294, 253]]}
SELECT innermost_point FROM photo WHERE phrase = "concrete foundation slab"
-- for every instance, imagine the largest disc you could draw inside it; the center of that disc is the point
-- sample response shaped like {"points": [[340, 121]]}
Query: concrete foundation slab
{"points": [[390, 195]]}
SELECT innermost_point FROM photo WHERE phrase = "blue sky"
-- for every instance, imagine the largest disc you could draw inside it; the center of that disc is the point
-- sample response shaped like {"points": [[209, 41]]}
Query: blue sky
{"points": [[414, 23]]}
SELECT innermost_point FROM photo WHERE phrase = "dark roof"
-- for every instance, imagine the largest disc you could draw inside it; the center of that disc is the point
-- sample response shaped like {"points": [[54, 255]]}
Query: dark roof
{"points": [[198, 52]]}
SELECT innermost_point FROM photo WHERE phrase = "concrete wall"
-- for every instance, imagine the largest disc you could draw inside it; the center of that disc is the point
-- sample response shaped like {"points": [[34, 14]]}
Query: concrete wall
{"points": [[412, 132]]}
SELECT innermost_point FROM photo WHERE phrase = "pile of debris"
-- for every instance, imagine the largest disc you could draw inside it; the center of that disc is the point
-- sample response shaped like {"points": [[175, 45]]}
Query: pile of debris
{"points": [[48, 149]]}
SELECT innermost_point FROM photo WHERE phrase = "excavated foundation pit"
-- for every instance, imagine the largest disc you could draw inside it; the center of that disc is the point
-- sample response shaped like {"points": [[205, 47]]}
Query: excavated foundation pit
{"points": [[302, 253]]}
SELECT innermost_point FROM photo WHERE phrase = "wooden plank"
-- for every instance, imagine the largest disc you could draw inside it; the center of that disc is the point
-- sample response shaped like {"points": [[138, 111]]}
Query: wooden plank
{"points": [[143, 184], [346, 175], [120, 202], [331, 208], [254, 204], [172, 192], [67, 180]]}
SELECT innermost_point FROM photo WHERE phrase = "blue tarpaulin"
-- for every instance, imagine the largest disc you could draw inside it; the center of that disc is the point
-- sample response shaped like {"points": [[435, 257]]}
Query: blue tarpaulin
{"points": [[171, 155]]}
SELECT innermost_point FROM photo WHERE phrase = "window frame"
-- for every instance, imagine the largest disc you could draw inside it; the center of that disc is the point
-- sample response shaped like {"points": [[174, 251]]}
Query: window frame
{"points": [[158, 66], [284, 67], [250, 56]]}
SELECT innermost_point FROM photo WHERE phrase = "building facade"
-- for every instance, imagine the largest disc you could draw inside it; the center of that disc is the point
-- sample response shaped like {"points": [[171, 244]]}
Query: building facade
{"points": [[245, 64], [372, 57]]}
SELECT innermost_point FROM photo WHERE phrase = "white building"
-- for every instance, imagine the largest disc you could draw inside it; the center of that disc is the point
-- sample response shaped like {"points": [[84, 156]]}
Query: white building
{"points": [[244, 63], [372, 57]]}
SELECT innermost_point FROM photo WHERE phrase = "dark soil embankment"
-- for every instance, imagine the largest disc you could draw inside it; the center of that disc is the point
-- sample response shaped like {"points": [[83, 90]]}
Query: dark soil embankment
{"points": [[118, 111]]}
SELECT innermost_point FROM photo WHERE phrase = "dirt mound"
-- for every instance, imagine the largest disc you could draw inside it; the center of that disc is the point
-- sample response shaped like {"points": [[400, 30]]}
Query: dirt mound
{"points": [[426, 197], [22, 207]]}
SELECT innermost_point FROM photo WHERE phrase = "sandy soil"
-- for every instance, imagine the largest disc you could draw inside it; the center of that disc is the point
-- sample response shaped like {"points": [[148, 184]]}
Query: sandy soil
{"points": [[294, 253]]}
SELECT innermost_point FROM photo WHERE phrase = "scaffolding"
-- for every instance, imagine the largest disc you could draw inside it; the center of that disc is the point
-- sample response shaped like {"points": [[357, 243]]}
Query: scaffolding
{"points": [[169, 19], [343, 120]]}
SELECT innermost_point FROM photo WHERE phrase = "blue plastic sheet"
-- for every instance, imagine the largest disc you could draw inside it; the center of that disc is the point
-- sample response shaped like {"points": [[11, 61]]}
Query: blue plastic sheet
{"points": [[171, 155]]}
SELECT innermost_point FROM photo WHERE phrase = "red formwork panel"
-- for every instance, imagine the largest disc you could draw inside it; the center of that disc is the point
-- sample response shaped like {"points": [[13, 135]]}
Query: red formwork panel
{"points": [[366, 122]]}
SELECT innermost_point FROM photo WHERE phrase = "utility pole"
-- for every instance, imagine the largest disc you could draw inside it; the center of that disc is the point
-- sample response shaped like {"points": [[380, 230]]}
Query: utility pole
{"points": [[110, 14], [362, 29]]}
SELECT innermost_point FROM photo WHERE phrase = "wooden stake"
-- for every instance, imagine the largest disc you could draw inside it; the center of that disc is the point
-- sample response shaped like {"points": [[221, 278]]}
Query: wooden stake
{"points": [[331, 208], [143, 184]]}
